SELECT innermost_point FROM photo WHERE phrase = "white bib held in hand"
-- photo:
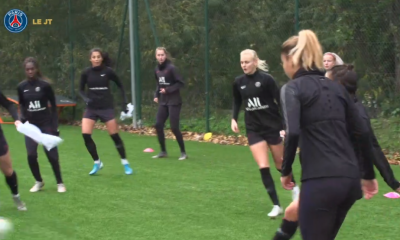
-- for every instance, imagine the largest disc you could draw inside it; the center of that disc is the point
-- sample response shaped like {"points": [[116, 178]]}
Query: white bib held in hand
{"points": [[47, 140], [129, 113]]}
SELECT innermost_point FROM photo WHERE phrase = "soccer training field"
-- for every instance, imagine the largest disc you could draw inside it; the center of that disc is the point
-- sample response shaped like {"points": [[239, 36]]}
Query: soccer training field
{"points": [[216, 194]]}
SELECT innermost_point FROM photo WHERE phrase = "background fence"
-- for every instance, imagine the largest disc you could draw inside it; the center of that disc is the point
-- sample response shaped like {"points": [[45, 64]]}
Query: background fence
{"points": [[203, 39]]}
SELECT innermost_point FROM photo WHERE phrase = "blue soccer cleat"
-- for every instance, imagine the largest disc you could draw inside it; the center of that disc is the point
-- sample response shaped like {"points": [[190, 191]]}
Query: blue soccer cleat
{"points": [[128, 169], [96, 168]]}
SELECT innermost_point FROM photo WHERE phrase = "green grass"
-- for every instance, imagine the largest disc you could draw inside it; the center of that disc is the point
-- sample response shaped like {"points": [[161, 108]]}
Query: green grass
{"points": [[216, 194]]}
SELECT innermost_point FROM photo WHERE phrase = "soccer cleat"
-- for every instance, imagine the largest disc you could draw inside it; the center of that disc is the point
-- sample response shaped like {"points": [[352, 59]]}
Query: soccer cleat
{"points": [[128, 169], [295, 193], [161, 155], [37, 187], [61, 188], [183, 156], [96, 168], [20, 205], [276, 210]]}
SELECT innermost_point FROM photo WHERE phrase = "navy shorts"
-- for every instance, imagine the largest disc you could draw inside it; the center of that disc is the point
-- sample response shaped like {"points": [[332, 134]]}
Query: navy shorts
{"points": [[104, 115], [3, 144], [271, 138]]}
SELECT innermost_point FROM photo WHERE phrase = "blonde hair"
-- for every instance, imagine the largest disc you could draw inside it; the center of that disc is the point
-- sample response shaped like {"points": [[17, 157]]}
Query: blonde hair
{"points": [[261, 64], [305, 49], [169, 57]]}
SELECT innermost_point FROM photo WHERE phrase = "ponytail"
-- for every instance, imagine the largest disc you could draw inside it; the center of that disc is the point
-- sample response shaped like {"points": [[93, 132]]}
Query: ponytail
{"points": [[305, 49], [107, 60]]}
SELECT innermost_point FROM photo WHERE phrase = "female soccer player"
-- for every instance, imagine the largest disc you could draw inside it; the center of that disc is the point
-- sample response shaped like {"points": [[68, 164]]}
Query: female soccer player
{"points": [[167, 95], [5, 159], [260, 93], [100, 105], [322, 110], [330, 60], [345, 75], [34, 94]]}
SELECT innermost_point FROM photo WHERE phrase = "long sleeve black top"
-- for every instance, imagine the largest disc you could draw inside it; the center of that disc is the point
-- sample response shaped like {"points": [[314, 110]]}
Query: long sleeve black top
{"points": [[34, 97], [168, 77], [260, 94], [98, 95], [319, 111]]}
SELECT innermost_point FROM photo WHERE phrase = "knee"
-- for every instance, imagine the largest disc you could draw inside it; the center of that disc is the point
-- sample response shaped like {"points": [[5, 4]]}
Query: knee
{"points": [[175, 130], [32, 157], [291, 212], [87, 138], [159, 126], [117, 139]]}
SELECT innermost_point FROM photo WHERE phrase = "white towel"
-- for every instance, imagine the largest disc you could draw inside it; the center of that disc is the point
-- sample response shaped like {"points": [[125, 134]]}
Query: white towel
{"points": [[32, 131]]}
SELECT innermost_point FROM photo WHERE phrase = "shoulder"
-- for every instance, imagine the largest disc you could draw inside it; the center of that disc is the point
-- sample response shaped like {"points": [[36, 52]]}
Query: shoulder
{"points": [[44, 83], [267, 78], [109, 70], [239, 79], [22, 84], [86, 71], [171, 66], [291, 88]]}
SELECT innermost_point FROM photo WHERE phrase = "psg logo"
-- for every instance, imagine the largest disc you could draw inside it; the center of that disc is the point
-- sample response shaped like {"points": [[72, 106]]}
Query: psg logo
{"points": [[15, 21]]}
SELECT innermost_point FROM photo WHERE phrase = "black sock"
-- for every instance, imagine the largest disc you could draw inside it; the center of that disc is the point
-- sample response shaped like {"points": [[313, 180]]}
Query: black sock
{"points": [[91, 146], [12, 183], [34, 166], [179, 139], [52, 155], [161, 138], [286, 231], [269, 185], [119, 145], [279, 170]]}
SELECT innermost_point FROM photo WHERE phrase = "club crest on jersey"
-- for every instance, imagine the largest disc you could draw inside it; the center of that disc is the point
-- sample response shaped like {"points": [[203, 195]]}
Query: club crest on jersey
{"points": [[15, 21], [37, 89], [258, 84]]}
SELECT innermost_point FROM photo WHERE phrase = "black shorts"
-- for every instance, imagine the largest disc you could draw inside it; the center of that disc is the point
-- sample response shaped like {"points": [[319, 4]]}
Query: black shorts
{"points": [[104, 115], [3, 143], [271, 138]]}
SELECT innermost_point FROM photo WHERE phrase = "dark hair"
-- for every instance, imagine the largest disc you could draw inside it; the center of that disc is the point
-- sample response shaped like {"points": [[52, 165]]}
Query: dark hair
{"points": [[106, 58], [36, 64], [346, 76]]}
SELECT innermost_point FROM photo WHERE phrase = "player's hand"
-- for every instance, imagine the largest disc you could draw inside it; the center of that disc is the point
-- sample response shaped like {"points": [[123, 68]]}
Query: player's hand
{"points": [[163, 91], [18, 122], [155, 100], [234, 126], [369, 187], [287, 182]]}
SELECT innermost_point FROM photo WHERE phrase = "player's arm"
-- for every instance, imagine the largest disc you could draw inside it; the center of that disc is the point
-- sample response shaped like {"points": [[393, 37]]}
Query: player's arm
{"points": [[82, 85], [275, 93], [9, 106], [22, 104], [119, 84], [237, 101], [362, 135], [291, 111], [157, 92], [178, 81], [52, 99]]}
